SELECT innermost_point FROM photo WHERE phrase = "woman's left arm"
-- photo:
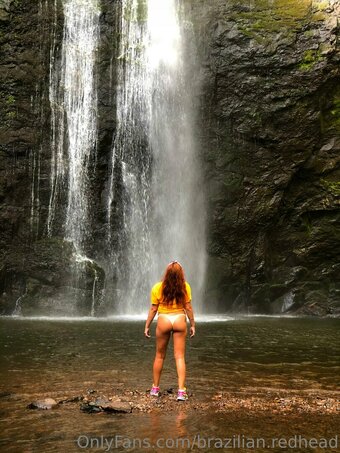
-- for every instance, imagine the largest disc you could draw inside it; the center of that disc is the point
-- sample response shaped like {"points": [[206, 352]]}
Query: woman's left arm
{"points": [[151, 315]]}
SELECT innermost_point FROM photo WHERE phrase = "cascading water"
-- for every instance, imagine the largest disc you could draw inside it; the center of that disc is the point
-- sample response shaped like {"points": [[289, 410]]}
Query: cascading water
{"points": [[155, 213], [80, 100], [128, 200], [73, 98], [155, 181], [178, 227]]}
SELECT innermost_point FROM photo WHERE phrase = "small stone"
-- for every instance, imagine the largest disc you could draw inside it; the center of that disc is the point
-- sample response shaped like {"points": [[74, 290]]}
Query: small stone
{"points": [[47, 403], [88, 407]]}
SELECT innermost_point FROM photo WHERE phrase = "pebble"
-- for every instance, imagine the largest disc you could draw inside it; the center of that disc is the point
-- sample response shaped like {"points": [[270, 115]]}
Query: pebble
{"points": [[46, 403]]}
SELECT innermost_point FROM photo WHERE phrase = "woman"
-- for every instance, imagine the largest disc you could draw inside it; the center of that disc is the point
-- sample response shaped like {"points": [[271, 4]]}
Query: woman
{"points": [[171, 298]]}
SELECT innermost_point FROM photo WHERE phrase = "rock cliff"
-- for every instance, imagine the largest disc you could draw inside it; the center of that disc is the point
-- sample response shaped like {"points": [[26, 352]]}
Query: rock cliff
{"points": [[270, 123]]}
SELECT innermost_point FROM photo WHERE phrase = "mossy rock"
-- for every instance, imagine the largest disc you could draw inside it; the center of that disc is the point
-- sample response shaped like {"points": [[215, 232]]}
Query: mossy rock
{"points": [[332, 187], [280, 16], [310, 59]]}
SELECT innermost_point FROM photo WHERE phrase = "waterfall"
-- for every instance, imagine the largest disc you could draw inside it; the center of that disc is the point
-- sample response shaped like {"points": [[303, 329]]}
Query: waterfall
{"points": [[288, 301], [73, 98], [155, 214], [57, 125], [156, 209], [80, 100], [178, 226], [73, 101], [128, 201]]}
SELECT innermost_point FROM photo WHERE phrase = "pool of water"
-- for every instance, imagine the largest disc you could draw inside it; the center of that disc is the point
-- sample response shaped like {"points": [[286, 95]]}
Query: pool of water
{"points": [[42, 357]]}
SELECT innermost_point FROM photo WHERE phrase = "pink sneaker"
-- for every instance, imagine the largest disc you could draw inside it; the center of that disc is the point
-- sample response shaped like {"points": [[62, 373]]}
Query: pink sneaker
{"points": [[182, 394], [154, 391]]}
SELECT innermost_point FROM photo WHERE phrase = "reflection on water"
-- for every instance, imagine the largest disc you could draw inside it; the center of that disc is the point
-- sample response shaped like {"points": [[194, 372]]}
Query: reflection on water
{"points": [[66, 358]]}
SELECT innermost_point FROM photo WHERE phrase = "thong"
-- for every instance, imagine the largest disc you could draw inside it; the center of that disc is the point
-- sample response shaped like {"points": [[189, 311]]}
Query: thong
{"points": [[171, 316]]}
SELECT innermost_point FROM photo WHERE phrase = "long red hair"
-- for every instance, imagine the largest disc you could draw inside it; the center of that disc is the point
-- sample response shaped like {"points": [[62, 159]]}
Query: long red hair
{"points": [[173, 286]]}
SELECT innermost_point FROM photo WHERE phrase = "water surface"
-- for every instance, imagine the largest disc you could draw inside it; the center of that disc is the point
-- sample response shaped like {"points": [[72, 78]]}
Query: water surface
{"points": [[63, 358]]}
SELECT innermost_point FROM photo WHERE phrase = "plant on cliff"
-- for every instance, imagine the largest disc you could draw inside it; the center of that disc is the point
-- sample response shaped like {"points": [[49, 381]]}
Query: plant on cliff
{"points": [[310, 58]]}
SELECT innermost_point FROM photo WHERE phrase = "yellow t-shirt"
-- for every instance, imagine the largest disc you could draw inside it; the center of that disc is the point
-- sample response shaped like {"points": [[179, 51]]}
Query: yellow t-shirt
{"points": [[156, 299]]}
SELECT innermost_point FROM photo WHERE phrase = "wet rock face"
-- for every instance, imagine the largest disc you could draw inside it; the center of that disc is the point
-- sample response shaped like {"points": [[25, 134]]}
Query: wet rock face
{"points": [[270, 123], [23, 76], [29, 32], [41, 278]]}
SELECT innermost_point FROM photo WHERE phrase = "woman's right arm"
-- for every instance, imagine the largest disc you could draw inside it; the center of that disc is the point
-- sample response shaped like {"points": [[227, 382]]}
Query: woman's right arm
{"points": [[190, 313], [151, 315]]}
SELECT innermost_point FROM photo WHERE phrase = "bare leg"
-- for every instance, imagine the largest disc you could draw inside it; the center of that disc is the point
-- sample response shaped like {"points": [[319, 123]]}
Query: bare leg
{"points": [[163, 332], [179, 335]]}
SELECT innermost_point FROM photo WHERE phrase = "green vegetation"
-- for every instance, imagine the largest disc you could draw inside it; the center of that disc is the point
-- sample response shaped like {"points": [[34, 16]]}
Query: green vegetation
{"points": [[275, 17], [318, 16], [136, 14], [8, 108], [142, 11], [267, 17], [10, 100], [306, 223], [310, 58], [330, 116], [322, 5], [335, 112], [309, 33], [11, 115], [331, 186]]}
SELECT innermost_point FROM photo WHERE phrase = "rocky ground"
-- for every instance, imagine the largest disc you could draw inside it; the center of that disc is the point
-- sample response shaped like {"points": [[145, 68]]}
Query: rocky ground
{"points": [[33, 422], [260, 401]]}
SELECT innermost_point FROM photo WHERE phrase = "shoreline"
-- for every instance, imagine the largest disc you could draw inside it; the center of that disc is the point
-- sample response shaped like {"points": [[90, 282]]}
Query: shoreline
{"points": [[256, 400]]}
